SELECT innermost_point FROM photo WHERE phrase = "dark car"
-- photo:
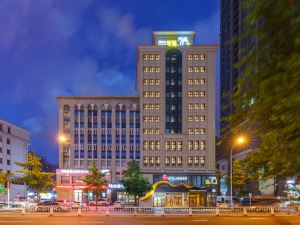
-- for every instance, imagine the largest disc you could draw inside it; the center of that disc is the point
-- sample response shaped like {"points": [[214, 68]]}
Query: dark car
{"points": [[47, 205]]}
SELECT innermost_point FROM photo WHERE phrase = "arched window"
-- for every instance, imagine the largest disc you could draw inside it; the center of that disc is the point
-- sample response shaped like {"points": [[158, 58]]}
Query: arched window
{"points": [[67, 109]]}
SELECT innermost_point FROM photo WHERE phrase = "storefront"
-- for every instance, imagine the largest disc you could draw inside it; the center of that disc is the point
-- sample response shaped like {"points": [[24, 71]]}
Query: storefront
{"points": [[181, 191], [117, 193]]}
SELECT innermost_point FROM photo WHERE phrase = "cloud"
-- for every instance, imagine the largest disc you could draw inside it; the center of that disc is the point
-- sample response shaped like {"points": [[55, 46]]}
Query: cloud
{"points": [[33, 124]]}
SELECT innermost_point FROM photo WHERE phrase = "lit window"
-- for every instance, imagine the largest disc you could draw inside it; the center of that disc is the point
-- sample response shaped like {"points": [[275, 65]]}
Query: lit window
{"points": [[190, 160], [202, 160], [151, 145], [157, 131], [145, 145], [202, 118], [173, 119], [196, 145], [145, 160], [151, 160], [202, 131], [167, 146], [197, 69], [173, 107], [157, 145], [196, 106], [145, 57], [196, 118], [190, 118], [190, 57], [174, 57], [157, 119], [151, 106], [145, 131], [151, 57], [145, 94], [190, 106], [190, 69], [145, 106], [146, 69], [197, 131], [202, 81], [202, 57], [173, 82], [190, 81], [157, 82], [167, 160], [190, 94], [173, 160], [196, 81], [145, 118], [157, 94], [157, 69], [151, 94], [202, 106], [202, 145], [196, 160], [151, 69], [179, 160], [196, 93], [173, 94], [157, 160], [157, 57], [145, 82], [202, 69], [179, 146], [202, 93], [196, 56], [151, 82], [151, 131], [151, 119], [190, 145], [191, 131], [157, 106]]}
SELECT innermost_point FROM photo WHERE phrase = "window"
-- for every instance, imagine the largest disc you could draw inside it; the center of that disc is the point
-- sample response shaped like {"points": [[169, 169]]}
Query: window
{"points": [[202, 131], [196, 106], [145, 69], [8, 130], [151, 82], [8, 162], [190, 69], [151, 94], [191, 131], [151, 131], [190, 57], [8, 151], [151, 106], [145, 145], [202, 69], [173, 160], [8, 141], [173, 145], [145, 57], [167, 146], [157, 94], [151, 57], [145, 131], [145, 106], [151, 69], [173, 107], [157, 106], [157, 131], [197, 131], [145, 160], [190, 94], [196, 160], [179, 146], [202, 106], [190, 81], [179, 160], [202, 145], [202, 57], [190, 118], [190, 106], [202, 160], [202, 118], [173, 94], [157, 160], [0, 149], [196, 145], [157, 69], [190, 145], [197, 69], [196, 93], [196, 56], [196, 118], [145, 81], [151, 160], [145, 94], [145, 118], [157, 57], [157, 82], [151, 119], [167, 160], [190, 160], [202, 93], [202, 81], [157, 145], [157, 119], [196, 81]]}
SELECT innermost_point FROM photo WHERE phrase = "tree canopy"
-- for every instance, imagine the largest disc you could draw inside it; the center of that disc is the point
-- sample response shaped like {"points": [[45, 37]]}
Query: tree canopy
{"points": [[268, 92]]}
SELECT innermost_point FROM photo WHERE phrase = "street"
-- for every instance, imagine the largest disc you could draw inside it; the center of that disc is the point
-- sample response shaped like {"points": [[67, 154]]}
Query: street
{"points": [[130, 220]]}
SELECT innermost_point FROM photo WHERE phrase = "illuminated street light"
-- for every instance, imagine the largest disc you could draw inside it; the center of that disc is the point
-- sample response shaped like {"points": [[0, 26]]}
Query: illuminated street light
{"points": [[62, 138]]}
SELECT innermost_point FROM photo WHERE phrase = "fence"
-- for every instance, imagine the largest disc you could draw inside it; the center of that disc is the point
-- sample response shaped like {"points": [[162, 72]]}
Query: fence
{"points": [[164, 211]]}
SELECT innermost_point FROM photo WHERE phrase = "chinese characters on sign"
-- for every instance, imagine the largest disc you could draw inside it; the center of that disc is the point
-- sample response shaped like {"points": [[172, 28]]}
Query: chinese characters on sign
{"points": [[180, 41]]}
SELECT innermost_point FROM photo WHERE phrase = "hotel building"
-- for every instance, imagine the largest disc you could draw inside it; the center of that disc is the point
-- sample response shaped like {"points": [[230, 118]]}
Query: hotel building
{"points": [[169, 127]]}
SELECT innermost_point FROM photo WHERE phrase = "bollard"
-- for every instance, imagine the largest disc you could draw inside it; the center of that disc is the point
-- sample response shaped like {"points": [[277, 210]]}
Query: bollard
{"points": [[163, 212], [272, 211], [190, 211], [299, 210], [51, 211], [107, 211], [23, 211], [245, 211], [79, 211], [135, 211], [217, 211]]}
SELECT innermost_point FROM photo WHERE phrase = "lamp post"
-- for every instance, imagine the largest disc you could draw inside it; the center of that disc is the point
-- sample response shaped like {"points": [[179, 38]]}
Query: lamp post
{"points": [[238, 141]]}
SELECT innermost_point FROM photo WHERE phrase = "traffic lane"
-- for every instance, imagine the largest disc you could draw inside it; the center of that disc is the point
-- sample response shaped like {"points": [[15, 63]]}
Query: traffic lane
{"points": [[129, 220]]}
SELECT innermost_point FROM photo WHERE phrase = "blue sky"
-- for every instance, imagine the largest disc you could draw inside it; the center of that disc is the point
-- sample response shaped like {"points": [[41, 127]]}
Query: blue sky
{"points": [[81, 47]]}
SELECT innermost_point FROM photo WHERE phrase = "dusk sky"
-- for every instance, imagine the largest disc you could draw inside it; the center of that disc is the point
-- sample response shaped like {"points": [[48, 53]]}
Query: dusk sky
{"points": [[51, 48]]}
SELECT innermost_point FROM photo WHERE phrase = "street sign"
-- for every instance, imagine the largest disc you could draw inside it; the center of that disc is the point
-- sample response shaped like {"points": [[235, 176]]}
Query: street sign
{"points": [[2, 187]]}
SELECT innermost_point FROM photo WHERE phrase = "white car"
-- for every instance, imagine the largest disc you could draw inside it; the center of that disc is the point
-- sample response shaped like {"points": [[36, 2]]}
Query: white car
{"points": [[101, 202], [77, 205], [118, 205]]}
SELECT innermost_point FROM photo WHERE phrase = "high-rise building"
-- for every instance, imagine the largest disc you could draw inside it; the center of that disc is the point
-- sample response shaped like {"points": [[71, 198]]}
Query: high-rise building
{"points": [[176, 85], [14, 142]]}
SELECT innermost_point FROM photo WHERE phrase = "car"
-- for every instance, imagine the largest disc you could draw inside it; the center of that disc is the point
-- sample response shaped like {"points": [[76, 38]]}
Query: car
{"points": [[100, 202], [118, 205], [77, 205], [47, 205]]}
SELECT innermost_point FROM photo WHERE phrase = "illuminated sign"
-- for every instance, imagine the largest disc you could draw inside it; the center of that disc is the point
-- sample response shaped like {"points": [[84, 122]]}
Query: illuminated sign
{"points": [[174, 178], [115, 186], [75, 171], [173, 43]]}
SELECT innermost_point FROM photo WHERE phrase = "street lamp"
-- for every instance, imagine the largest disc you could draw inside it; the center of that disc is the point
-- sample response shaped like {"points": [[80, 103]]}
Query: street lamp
{"points": [[238, 141]]}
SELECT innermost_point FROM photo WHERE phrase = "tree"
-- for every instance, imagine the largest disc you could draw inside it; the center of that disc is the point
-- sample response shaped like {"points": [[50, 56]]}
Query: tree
{"points": [[240, 177], [268, 93], [4, 177], [134, 182], [33, 176], [95, 181]]}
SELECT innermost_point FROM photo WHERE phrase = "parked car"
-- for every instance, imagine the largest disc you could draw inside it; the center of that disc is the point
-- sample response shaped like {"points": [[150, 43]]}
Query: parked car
{"points": [[100, 202], [45, 207], [118, 205], [77, 205], [65, 202]]}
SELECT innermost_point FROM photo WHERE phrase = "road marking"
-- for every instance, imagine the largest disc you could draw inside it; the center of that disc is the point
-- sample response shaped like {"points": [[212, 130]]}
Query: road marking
{"points": [[256, 218], [89, 222], [19, 221], [200, 220]]}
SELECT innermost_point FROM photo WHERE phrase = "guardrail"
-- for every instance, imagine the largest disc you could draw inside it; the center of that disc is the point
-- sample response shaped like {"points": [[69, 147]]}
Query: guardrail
{"points": [[164, 211]]}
